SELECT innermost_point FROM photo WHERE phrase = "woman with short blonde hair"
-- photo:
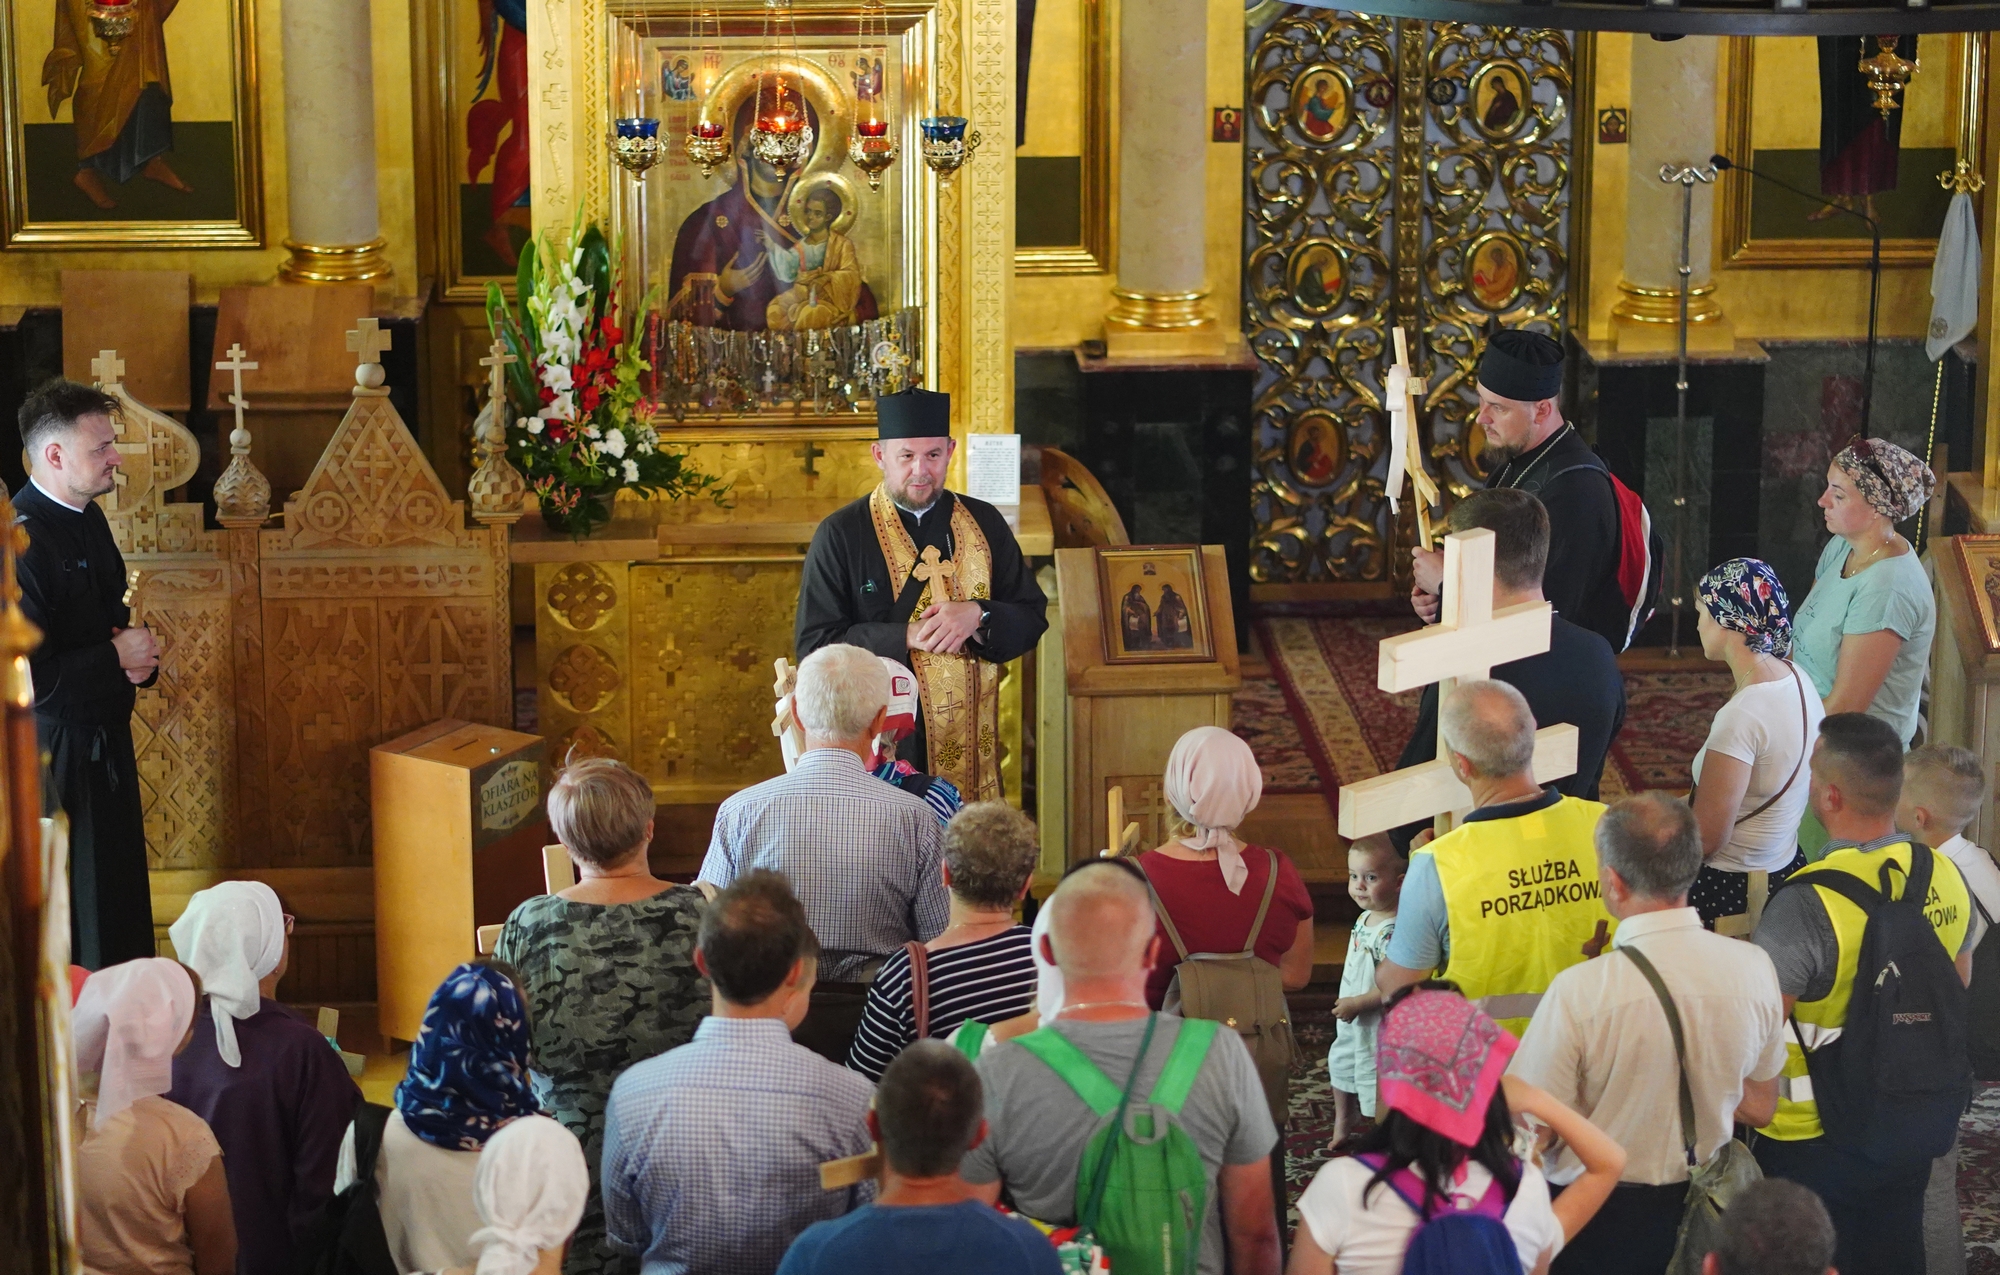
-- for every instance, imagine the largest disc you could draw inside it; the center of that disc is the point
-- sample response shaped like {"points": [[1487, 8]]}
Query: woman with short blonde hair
{"points": [[607, 966]]}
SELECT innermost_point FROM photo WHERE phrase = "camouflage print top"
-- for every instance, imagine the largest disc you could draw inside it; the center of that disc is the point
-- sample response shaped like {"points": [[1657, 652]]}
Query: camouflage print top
{"points": [[609, 985]]}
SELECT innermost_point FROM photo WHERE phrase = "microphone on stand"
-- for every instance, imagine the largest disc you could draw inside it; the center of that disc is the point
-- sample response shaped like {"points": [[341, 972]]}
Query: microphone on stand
{"points": [[1723, 164]]}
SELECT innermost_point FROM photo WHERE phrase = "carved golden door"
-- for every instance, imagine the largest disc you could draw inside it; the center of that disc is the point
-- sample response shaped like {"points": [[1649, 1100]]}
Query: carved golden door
{"points": [[1400, 172]]}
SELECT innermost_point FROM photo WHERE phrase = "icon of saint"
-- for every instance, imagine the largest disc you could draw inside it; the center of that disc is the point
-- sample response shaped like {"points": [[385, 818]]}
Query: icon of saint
{"points": [[1175, 632], [1503, 110], [824, 270], [1324, 113], [121, 99], [1135, 619], [677, 81]]}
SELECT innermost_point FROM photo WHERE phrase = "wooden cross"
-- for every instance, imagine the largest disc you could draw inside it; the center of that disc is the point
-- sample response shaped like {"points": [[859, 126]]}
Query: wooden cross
{"points": [[495, 362], [108, 368], [1470, 638], [1425, 488], [809, 453], [435, 669], [931, 571], [236, 365], [368, 340]]}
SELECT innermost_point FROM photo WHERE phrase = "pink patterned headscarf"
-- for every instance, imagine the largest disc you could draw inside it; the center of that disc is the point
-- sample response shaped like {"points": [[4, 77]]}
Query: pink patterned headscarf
{"points": [[1213, 781], [1439, 1060]]}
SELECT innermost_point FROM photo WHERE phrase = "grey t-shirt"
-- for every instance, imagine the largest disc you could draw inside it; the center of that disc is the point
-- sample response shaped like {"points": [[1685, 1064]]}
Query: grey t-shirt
{"points": [[1039, 1127]]}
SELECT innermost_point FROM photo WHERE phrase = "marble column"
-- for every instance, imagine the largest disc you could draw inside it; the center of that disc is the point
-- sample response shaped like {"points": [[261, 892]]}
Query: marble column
{"points": [[1160, 304], [1673, 122], [330, 144]]}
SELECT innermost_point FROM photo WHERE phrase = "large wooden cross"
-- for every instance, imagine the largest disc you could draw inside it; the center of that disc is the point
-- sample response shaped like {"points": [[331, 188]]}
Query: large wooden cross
{"points": [[1469, 639], [936, 573], [1409, 449]]}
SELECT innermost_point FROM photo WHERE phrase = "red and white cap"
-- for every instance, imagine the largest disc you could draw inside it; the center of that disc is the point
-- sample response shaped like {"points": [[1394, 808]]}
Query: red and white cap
{"points": [[903, 701]]}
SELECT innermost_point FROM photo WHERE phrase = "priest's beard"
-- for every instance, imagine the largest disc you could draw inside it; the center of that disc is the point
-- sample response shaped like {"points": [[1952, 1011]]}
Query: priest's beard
{"points": [[911, 503], [1494, 455]]}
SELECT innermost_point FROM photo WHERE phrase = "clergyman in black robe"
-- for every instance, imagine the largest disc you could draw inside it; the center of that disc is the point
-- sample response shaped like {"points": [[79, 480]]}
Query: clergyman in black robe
{"points": [[88, 669], [847, 593]]}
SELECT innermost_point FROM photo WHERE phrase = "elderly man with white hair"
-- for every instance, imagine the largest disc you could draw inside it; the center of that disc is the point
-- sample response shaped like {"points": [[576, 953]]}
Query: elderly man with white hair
{"points": [[1509, 899], [1050, 1092], [862, 856]]}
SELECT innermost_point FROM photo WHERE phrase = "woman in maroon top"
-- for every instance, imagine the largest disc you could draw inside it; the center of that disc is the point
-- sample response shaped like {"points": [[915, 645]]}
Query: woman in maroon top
{"points": [[1209, 881]]}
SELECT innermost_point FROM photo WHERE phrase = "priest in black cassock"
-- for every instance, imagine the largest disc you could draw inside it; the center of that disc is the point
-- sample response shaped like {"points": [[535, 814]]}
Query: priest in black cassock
{"points": [[933, 579], [89, 667]]}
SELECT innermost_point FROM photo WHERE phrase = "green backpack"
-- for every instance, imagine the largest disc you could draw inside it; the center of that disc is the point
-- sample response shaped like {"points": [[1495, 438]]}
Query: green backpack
{"points": [[1141, 1187]]}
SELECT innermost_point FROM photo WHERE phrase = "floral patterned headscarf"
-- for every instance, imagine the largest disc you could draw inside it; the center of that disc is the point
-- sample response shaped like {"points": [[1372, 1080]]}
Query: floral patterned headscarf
{"points": [[1744, 595], [1893, 481], [1440, 1058], [469, 1066]]}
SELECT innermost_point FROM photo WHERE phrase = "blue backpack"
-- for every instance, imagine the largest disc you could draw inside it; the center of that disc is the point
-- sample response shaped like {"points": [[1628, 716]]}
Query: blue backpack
{"points": [[1449, 1241]]}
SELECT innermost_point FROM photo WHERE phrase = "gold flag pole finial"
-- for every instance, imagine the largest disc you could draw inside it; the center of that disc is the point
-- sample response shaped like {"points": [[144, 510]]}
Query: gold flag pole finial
{"points": [[1960, 179]]}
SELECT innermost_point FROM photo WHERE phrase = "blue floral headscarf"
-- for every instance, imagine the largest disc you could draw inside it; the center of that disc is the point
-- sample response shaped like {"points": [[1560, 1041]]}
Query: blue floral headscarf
{"points": [[1745, 595], [469, 1066]]}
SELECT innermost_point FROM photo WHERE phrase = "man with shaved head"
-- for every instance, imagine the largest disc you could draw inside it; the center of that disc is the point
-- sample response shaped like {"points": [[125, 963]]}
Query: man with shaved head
{"points": [[1813, 934], [1509, 899], [1101, 936]]}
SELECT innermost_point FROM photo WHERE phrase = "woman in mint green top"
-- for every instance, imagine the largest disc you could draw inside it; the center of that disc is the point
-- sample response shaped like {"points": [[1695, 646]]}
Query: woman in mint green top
{"points": [[1864, 632]]}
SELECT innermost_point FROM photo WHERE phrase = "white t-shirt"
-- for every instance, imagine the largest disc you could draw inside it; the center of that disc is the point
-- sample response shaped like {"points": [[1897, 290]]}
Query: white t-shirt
{"points": [[1369, 1240], [425, 1196], [1761, 726], [1982, 878]]}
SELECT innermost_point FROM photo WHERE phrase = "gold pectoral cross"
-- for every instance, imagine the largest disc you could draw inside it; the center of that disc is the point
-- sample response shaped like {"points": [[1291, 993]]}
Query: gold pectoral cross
{"points": [[933, 570]]}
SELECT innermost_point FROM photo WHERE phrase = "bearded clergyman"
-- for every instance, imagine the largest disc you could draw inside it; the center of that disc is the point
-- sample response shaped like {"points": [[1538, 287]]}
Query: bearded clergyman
{"points": [[932, 579]]}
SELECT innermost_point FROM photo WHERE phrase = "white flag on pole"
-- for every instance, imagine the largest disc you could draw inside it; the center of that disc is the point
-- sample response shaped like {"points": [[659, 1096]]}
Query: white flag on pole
{"points": [[1954, 279]]}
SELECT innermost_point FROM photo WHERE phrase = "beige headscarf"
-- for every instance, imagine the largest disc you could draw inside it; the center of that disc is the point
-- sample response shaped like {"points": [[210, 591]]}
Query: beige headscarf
{"points": [[232, 935], [1213, 781], [129, 1021]]}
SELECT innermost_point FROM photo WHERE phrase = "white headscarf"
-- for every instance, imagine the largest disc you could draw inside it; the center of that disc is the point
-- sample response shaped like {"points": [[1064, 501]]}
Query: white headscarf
{"points": [[129, 1021], [232, 935], [1213, 781], [529, 1190]]}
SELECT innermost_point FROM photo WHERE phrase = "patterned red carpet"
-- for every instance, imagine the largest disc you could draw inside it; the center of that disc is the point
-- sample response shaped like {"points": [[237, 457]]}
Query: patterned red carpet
{"points": [[1319, 721]]}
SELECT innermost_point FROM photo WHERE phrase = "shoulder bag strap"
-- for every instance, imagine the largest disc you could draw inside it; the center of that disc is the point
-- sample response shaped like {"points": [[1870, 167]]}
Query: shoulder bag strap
{"points": [[1680, 1045], [1086, 1220], [1845, 884], [1160, 909], [1270, 888], [1805, 746], [1184, 1063], [920, 986]]}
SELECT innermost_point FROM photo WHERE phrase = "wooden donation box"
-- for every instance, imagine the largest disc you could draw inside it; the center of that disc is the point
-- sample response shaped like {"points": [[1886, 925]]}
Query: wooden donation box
{"points": [[459, 831], [1149, 653], [1965, 658]]}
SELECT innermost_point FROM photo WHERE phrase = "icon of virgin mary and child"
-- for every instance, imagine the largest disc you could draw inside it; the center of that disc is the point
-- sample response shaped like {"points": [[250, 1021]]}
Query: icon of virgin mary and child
{"points": [[743, 262]]}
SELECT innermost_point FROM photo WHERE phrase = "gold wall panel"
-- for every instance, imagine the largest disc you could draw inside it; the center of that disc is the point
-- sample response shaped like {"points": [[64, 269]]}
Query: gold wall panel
{"points": [[704, 633], [1390, 182], [584, 698]]}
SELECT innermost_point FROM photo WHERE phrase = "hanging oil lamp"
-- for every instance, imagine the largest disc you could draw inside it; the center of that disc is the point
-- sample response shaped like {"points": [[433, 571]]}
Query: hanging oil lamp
{"points": [[872, 145], [707, 143], [780, 133]]}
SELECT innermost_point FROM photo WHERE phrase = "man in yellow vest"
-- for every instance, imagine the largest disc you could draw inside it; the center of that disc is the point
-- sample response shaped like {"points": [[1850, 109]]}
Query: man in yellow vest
{"points": [[1813, 936], [1508, 899]]}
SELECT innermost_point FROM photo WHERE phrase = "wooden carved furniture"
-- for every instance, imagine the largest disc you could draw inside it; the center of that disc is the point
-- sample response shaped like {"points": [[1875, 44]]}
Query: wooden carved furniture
{"points": [[458, 843], [1965, 658], [142, 312], [1080, 510], [1120, 721]]}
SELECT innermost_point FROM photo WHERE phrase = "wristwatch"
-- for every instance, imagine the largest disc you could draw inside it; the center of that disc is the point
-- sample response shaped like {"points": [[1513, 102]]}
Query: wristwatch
{"points": [[983, 632]]}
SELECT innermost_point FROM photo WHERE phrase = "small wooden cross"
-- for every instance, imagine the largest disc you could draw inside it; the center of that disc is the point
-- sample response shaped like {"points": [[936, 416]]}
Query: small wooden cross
{"points": [[1470, 638], [236, 365], [368, 340], [495, 362], [809, 453], [1413, 452], [108, 368], [931, 571]]}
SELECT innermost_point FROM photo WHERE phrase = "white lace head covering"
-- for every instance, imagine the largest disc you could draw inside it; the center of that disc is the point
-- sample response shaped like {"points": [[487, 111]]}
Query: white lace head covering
{"points": [[529, 1190], [232, 934], [128, 1022], [1213, 781]]}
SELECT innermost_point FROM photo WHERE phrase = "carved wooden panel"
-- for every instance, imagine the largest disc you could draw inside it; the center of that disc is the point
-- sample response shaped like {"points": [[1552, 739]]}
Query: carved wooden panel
{"points": [[581, 641], [704, 633], [182, 730], [322, 708]]}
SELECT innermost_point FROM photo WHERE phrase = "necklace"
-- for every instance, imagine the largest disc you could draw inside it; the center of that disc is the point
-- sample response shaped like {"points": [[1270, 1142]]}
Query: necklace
{"points": [[1545, 447], [976, 924], [1071, 1009], [1873, 556]]}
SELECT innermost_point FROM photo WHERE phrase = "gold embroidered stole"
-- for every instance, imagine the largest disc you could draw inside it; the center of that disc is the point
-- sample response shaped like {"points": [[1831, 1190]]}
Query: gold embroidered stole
{"points": [[960, 693]]}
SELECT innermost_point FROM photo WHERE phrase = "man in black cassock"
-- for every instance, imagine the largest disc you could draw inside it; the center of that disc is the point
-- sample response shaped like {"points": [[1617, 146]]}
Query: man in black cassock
{"points": [[88, 669], [930, 578]]}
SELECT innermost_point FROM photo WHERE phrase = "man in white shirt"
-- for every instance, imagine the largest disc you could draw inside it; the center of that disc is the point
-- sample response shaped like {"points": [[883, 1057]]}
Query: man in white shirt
{"points": [[1600, 1039], [1942, 789]]}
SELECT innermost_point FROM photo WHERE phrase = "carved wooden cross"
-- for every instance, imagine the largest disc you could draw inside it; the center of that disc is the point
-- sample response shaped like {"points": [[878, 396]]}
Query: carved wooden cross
{"points": [[1470, 638], [934, 572], [108, 368], [495, 362], [1425, 488], [435, 668], [236, 365], [809, 453], [368, 340]]}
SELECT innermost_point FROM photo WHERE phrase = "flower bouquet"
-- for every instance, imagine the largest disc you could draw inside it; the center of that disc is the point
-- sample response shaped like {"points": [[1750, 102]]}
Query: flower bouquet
{"points": [[580, 426]]}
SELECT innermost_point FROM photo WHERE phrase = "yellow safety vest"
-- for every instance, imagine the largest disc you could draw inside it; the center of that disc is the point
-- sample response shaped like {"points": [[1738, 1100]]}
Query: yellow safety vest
{"points": [[1820, 1022], [1520, 900]]}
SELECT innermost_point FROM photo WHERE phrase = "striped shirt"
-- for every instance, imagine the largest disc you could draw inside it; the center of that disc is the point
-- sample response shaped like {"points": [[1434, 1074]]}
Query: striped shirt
{"points": [[712, 1150], [940, 794], [989, 981], [862, 856]]}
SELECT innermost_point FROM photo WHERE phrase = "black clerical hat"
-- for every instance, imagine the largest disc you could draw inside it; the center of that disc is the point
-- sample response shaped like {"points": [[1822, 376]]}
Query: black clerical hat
{"points": [[1524, 366], [914, 413]]}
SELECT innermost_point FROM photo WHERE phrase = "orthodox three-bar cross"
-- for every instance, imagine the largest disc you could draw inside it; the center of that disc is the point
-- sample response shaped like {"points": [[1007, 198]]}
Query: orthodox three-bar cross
{"points": [[236, 365], [495, 363], [1469, 639]]}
